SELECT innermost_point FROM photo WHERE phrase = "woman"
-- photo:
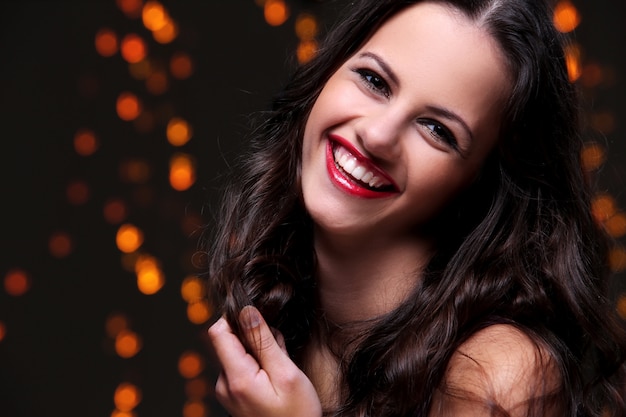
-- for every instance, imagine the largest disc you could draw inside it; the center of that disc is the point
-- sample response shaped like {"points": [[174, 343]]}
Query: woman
{"points": [[413, 223]]}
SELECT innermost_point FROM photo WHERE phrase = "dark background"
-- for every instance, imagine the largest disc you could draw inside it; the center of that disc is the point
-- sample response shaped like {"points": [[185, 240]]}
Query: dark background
{"points": [[55, 359]]}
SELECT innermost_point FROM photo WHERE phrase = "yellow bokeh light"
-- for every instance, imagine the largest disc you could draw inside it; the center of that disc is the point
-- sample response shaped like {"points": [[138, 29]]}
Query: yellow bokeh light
{"points": [[3, 331], [115, 211], [190, 364], [592, 156], [167, 33], [182, 172], [85, 142], [129, 238], [60, 244], [77, 192], [275, 12], [616, 225], [199, 312], [181, 66], [306, 51], [617, 259], [133, 48], [192, 289], [106, 42], [150, 278], [194, 408], [572, 59], [128, 106], [115, 324], [153, 15], [127, 396], [130, 8], [566, 16], [127, 344], [178, 131], [17, 282], [306, 27]]}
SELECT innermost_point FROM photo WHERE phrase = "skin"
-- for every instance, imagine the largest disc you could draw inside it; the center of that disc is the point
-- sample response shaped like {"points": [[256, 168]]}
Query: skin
{"points": [[385, 103]]}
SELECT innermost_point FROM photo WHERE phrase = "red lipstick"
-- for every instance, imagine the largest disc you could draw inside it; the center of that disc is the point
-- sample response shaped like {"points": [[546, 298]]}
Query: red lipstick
{"points": [[349, 184]]}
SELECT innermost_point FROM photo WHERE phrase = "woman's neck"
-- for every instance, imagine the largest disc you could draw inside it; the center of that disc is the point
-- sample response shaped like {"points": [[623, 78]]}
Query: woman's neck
{"points": [[360, 279]]}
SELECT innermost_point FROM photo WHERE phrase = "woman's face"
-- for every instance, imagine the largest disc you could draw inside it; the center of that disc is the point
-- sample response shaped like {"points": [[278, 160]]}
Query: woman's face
{"points": [[404, 125]]}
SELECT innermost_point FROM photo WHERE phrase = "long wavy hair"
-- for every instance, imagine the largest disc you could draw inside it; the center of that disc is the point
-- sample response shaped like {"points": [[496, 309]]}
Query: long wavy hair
{"points": [[524, 250]]}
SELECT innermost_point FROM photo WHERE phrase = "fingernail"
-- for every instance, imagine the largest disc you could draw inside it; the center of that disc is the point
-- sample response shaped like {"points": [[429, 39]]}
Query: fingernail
{"points": [[249, 317]]}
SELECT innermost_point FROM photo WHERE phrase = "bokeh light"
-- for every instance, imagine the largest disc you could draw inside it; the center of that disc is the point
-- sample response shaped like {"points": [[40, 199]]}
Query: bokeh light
{"points": [[603, 207], [198, 312], [167, 33], [178, 131], [275, 12], [604, 122], [17, 282], [133, 48], [306, 51], [150, 278], [306, 27], [190, 364], [130, 8], [136, 170], [3, 331], [157, 82], [115, 211], [106, 42], [182, 172], [617, 259], [572, 59], [593, 156], [60, 244], [128, 106], [115, 324], [127, 344], [566, 16], [181, 66], [196, 388], [127, 396], [129, 238], [154, 15], [192, 289], [85, 142], [195, 408], [140, 70], [77, 192], [616, 225]]}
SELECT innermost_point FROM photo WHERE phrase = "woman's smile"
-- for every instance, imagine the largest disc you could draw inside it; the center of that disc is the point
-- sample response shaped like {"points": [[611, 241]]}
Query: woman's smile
{"points": [[353, 173]]}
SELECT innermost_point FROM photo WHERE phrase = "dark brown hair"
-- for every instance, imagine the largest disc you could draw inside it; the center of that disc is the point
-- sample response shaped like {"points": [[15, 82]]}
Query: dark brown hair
{"points": [[523, 251]]}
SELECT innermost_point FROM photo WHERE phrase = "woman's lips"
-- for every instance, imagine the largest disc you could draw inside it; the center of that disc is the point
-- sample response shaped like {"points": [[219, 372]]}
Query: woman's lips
{"points": [[355, 174]]}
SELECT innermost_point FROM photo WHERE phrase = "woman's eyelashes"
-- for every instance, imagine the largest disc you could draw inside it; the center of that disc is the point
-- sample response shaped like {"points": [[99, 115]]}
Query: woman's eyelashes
{"points": [[373, 81], [439, 132]]}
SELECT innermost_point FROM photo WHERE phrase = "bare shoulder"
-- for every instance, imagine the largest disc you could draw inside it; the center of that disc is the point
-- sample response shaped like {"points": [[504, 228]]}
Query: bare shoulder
{"points": [[499, 367]]}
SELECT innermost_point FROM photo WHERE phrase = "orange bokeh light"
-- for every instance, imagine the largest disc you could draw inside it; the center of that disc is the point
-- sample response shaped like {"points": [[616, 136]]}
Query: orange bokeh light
{"points": [[115, 324], [616, 225], [106, 42], [127, 396], [135, 170], [572, 59], [140, 70], [154, 15], [192, 289], [306, 51], [130, 8], [593, 156], [60, 244], [190, 364], [17, 282], [77, 192], [306, 27], [127, 344], [275, 12], [129, 238], [134, 48], [566, 16], [182, 172], [603, 207], [167, 33], [198, 312], [178, 131], [157, 83], [617, 259], [128, 106], [115, 211], [194, 408], [181, 66], [85, 142], [150, 278]]}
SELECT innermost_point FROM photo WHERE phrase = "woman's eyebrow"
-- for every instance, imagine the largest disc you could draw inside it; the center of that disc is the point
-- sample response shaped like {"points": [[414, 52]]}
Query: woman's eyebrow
{"points": [[383, 65]]}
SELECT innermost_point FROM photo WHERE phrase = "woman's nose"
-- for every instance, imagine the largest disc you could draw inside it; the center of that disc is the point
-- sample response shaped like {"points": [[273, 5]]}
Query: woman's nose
{"points": [[380, 134]]}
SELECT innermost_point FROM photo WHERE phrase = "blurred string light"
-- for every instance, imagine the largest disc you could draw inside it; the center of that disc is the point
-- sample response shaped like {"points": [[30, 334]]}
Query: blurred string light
{"points": [[17, 282]]}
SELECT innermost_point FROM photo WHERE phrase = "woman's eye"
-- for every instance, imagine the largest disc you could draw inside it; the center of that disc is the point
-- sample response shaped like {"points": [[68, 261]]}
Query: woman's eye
{"points": [[373, 81], [440, 133]]}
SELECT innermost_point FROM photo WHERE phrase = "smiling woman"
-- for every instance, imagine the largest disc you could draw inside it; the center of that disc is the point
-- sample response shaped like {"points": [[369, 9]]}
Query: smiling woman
{"points": [[413, 222]]}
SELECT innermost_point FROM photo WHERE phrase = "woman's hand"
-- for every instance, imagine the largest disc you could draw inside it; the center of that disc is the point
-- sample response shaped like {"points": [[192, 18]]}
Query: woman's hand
{"points": [[262, 381]]}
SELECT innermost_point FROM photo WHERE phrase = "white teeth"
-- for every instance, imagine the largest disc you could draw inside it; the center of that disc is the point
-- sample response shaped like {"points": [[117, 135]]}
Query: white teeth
{"points": [[351, 166]]}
